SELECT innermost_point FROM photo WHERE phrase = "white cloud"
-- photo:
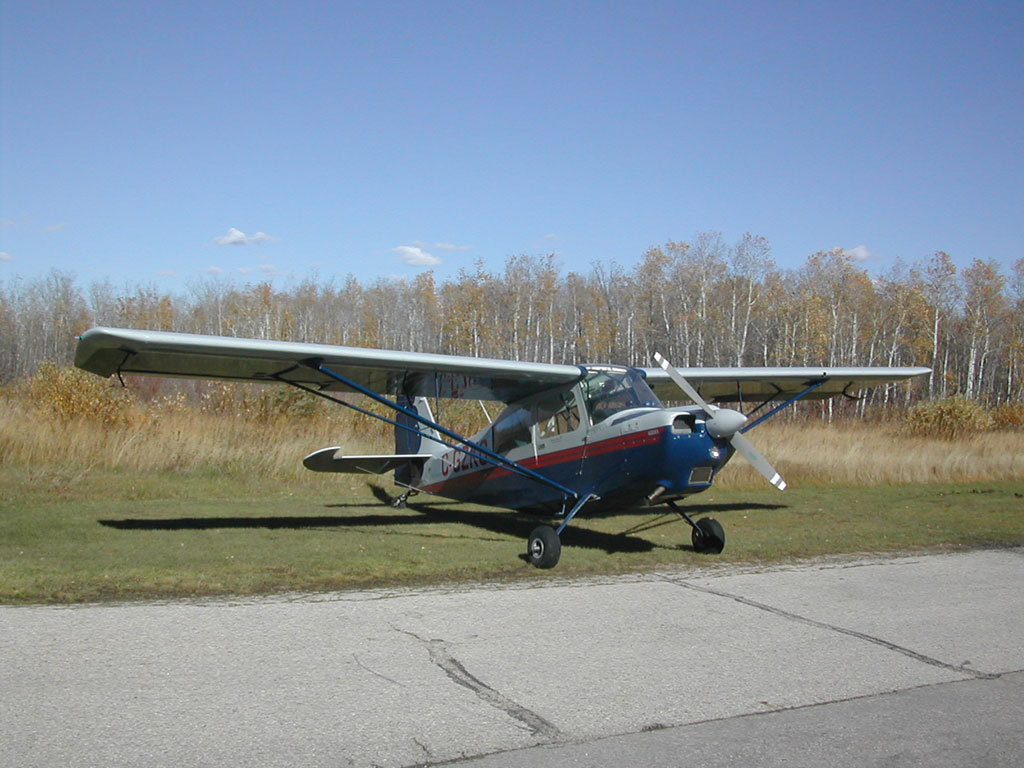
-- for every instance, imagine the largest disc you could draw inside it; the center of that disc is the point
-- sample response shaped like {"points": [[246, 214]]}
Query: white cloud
{"points": [[860, 253], [415, 256], [6, 257], [213, 270], [238, 237], [551, 236], [167, 273], [58, 226], [270, 270], [452, 247], [233, 237]]}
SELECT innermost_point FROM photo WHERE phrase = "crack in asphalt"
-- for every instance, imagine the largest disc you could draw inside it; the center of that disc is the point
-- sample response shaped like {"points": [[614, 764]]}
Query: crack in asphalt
{"points": [[457, 673], [834, 628], [375, 673]]}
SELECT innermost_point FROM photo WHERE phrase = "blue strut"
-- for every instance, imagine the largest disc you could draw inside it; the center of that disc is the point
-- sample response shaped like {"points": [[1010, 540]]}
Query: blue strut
{"points": [[494, 458]]}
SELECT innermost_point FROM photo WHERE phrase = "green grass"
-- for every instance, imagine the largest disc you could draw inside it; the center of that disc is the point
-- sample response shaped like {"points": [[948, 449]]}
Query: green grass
{"points": [[69, 535]]}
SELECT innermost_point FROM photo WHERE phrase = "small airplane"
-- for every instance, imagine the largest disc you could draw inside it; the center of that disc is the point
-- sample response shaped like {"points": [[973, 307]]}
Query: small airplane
{"points": [[570, 436]]}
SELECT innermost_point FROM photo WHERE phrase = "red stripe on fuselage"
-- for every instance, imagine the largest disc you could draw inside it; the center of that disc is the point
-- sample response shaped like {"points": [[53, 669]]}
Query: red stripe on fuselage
{"points": [[576, 453]]}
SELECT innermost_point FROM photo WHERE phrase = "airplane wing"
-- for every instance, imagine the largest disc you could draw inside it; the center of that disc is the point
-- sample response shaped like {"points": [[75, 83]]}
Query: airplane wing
{"points": [[106, 351], [752, 384]]}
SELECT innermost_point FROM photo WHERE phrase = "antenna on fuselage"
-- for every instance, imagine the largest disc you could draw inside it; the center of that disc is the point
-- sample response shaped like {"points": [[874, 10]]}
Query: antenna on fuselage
{"points": [[484, 409]]}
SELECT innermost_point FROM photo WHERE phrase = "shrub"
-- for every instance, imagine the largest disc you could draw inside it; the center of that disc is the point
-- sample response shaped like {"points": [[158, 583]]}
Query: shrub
{"points": [[226, 398], [70, 393], [273, 402], [259, 403], [950, 419], [1008, 416]]}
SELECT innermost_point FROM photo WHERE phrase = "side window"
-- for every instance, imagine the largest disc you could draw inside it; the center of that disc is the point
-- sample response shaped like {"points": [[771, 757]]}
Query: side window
{"points": [[557, 415], [512, 429]]}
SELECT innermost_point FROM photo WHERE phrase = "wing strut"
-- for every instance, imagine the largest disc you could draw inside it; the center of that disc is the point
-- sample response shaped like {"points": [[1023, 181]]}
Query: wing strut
{"points": [[778, 408], [478, 451]]}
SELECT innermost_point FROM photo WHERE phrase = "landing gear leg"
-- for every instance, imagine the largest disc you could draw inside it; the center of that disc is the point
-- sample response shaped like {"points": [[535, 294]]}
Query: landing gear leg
{"points": [[707, 536], [543, 548]]}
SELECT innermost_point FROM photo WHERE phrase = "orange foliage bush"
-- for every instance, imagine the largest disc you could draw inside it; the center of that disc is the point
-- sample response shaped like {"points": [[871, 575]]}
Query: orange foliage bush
{"points": [[1008, 416], [70, 393], [949, 419]]}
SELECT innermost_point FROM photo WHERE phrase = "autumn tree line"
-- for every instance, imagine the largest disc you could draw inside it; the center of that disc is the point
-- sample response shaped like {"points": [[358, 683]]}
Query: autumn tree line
{"points": [[700, 303]]}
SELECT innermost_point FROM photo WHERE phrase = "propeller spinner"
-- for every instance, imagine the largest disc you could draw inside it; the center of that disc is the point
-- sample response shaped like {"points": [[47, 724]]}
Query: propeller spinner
{"points": [[725, 424]]}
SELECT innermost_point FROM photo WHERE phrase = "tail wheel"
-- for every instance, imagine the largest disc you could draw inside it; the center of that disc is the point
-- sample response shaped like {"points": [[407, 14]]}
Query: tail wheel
{"points": [[543, 548], [708, 536]]}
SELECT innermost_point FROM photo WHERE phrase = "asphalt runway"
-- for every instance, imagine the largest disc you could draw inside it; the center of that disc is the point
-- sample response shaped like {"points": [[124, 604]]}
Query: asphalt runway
{"points": [[906, 661]]}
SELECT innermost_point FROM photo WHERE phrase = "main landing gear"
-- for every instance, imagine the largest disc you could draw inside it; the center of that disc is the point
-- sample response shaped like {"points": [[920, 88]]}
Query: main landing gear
{"points": [[543, 548], [708, 536]]}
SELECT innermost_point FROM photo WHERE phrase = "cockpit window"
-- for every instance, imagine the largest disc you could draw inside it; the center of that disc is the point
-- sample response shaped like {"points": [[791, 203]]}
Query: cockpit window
{"points": [[606, 392]]}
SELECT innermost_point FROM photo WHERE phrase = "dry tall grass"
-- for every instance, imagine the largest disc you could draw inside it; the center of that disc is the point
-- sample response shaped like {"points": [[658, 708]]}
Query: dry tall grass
{"points": [[185, 440], [859, 454], [177, 441]]}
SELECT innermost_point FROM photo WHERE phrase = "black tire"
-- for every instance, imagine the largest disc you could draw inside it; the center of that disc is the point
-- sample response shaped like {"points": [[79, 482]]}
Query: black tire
{"points": [[543, 548], [708, 537]]}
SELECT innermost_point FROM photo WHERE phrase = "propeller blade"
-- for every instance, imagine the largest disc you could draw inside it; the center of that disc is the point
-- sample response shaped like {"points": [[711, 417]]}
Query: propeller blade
{"points": [[683, 384], [751, 454]]}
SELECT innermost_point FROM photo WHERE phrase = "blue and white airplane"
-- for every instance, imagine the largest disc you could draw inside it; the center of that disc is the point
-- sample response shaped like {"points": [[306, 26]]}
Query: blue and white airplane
{"points": [[571, 436]]}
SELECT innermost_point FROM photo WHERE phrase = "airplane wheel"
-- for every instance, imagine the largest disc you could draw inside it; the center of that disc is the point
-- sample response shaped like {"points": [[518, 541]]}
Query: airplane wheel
{"points": [[543, 548], [708, 536]]}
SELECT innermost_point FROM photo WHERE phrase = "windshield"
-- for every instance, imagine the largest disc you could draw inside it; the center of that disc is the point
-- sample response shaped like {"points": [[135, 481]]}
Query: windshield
{"points": [[608, 391]]}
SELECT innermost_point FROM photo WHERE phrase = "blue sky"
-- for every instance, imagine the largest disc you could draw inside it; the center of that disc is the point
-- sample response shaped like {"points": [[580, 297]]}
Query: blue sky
{"points": [[158, 143]]}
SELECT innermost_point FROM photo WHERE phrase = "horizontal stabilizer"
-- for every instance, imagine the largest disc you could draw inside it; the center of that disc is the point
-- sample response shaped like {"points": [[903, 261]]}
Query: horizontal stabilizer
{"points": [[329, 460]]}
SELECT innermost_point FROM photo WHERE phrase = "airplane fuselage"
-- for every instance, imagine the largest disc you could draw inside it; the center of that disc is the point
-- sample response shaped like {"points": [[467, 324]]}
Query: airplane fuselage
{"points": [[621, 463], [584, 439]]}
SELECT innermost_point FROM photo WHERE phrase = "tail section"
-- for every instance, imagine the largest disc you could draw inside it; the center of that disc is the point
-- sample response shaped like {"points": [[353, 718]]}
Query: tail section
{"points": [[413, 447], [413, 437]]}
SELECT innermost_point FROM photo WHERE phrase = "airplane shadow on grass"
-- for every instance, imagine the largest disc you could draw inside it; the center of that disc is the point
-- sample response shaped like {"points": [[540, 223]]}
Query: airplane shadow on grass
{"points": [[504, 522]]}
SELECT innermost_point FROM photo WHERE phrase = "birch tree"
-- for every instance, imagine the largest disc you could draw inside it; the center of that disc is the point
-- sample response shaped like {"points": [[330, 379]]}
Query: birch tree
{"points": [[984, 311], [750, 264], [943, 293]]}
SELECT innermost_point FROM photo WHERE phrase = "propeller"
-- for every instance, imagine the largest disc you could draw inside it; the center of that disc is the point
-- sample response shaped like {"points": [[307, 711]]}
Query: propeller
{"points": [[725, 424]]}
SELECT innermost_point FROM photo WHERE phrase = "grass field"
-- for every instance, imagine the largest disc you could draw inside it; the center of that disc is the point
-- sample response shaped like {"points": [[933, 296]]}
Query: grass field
{"points": [[114, 535], [191, 504]]}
